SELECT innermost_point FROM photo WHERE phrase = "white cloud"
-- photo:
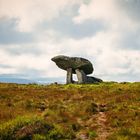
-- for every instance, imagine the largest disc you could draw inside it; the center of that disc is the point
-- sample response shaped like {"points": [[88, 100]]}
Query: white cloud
{"points": [[24, 62], [29, 13], [107, 11], [97, 9]]}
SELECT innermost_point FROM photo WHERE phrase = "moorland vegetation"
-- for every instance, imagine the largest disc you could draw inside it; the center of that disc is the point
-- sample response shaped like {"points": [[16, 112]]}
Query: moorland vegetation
{"points": [[104, 111]]}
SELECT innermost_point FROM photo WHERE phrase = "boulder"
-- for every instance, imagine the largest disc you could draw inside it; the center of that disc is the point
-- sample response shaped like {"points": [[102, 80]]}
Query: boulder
{"points": [[91, 79], [65, 62]]}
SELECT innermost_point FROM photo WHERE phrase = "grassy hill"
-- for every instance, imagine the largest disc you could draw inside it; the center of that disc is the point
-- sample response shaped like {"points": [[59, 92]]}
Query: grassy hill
{"points": [[76, 112]]}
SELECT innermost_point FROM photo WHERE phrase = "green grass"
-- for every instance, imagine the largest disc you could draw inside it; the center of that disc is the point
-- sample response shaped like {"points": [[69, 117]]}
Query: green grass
{"points": [[32, 128], [92, 134], [125, 134], [56, 112], [8, 129]]}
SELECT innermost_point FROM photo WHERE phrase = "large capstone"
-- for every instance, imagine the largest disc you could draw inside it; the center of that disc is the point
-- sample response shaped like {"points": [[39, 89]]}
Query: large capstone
{"points": [[65, 62]]}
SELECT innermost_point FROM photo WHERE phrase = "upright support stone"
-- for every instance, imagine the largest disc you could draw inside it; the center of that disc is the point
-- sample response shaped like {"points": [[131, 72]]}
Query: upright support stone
{"points": [[81, 76], [69, 79]]}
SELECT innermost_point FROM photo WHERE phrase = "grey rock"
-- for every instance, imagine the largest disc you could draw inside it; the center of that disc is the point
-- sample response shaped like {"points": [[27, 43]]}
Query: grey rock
{"points": [[69, 76], [76, 65], [65, 62], [82, 78], [91, 79]]}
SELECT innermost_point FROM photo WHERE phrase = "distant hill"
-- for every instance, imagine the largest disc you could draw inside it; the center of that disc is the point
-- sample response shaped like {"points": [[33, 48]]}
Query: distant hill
{"points": [[15, 80], [21, 79]]}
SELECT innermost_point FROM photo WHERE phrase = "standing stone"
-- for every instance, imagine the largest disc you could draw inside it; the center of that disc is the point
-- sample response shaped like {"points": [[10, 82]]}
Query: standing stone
{"points": [[82, 78], [69, 79]]}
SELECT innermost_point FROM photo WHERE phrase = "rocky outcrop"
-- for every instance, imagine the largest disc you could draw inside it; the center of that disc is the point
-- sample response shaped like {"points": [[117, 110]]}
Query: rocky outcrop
{"points": [[76, 65]]}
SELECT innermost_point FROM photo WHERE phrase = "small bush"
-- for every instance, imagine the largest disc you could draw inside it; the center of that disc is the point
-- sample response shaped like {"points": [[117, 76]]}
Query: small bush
{"points": [[92, 134], [8, 129]]}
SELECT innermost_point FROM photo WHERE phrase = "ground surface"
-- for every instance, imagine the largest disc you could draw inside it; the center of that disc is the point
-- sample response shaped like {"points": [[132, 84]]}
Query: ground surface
{"points": [[106, 111]]}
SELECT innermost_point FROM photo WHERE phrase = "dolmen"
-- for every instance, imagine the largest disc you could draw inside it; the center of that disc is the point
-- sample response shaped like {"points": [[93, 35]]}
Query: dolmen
{"points": [[76, 65]]}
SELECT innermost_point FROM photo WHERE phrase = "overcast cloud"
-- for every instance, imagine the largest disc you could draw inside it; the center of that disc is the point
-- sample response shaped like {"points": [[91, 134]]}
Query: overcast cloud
{"points": [[107, 32]]}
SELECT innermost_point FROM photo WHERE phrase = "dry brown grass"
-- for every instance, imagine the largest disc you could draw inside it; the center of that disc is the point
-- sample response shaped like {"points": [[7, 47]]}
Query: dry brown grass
{"points": [[77, 109]]}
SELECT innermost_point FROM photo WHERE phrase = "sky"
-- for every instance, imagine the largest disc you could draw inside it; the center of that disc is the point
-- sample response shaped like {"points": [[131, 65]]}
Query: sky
{"points": [[106, 32]]}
